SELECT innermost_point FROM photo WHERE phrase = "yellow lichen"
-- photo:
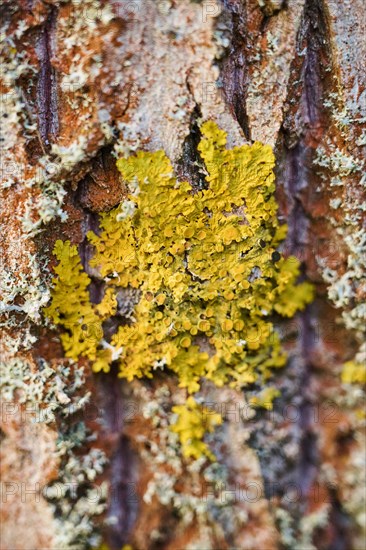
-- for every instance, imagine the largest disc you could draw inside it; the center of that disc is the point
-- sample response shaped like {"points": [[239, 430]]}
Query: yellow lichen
{"points": [[203, 264], [265, 398], [193, 421], [354, 373], [71, 308]]}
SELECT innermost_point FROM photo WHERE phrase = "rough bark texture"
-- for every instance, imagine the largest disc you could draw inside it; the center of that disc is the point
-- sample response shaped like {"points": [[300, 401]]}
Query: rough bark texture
{"points": [[85, 81]]}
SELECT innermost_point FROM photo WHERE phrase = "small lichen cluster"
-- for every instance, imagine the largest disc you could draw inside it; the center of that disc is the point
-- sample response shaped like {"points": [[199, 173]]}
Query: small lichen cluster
{"points": [[193, 489], [203, 265], [354, 371], [192, 424]]}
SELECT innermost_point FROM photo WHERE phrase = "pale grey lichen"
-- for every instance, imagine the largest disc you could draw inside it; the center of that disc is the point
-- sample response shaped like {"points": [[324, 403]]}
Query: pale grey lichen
{"points": [[342, 114], [28, 287], [345, 172], [300, 534], [338, 161], [51, 394]]}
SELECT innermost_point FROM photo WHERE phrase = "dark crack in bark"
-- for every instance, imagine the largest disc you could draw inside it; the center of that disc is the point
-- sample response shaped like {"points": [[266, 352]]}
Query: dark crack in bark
{"points": [[234, 66], [47, 84], [117, 408], [190, 166]]}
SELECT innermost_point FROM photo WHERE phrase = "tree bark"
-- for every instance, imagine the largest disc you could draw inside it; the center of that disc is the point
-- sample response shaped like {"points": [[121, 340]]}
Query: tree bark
{"points": [[86, 81]]}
